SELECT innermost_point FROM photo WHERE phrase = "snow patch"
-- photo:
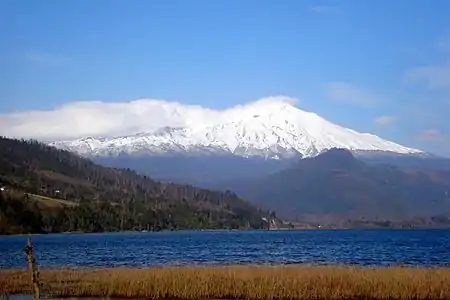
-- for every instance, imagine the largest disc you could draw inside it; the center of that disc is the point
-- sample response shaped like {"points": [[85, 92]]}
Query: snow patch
{"points": [[272, 128]]}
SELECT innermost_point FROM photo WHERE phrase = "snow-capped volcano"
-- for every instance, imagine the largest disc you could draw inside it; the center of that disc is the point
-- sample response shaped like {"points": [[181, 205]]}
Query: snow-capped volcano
{"points": [[270, 128]]}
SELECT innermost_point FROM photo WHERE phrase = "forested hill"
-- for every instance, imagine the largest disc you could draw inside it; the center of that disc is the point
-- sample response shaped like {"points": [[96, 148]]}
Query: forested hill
{"points": [[336, 189], [51, 190]]}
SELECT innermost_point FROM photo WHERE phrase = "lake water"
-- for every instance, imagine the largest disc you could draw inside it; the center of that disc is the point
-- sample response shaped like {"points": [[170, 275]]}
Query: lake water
{"points": [[358, 247]]}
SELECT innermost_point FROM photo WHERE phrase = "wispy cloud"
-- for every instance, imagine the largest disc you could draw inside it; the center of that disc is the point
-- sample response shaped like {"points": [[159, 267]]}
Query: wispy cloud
{"points": [[427, 101], [436, 139], [432, 77], [349, 93], [96, 118], [45, 59], [432, 134], [385, 120], [323, 8]]}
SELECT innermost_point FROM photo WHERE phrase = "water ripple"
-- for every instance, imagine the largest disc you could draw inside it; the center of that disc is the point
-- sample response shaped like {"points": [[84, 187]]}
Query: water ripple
{"points": [[355, 247]]}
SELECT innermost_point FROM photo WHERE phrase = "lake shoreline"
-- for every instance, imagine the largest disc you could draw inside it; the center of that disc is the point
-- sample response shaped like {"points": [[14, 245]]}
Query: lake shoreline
{"points": [[237, 282], [235, 230]]}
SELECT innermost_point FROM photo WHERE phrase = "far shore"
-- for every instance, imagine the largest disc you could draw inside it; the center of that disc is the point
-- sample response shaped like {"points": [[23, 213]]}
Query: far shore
{"points": [[237, 282], [240, 229]]}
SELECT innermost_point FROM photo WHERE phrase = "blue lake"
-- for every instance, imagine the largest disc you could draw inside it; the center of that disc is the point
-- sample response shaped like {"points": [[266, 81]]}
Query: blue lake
{"points": [[356, 247]]}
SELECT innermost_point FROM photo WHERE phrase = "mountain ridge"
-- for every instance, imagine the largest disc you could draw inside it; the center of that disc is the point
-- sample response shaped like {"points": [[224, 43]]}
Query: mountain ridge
{"points": [[341, 188], [272, 128]]}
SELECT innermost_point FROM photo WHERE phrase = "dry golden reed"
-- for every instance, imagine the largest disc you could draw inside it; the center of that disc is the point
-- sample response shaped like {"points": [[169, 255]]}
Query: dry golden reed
{"points": [[238, 282]]}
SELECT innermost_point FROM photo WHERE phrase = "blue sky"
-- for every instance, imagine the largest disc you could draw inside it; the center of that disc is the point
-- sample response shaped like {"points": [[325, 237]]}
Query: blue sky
{"points": [[375, 66]]}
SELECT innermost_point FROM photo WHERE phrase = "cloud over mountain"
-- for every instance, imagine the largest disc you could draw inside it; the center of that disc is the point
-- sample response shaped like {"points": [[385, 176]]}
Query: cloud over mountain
{"points": [[97, 118], [385, 120]]}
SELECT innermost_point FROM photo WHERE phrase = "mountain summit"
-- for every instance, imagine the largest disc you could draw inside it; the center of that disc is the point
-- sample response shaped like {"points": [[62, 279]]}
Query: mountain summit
{"points": [[270, 128]]}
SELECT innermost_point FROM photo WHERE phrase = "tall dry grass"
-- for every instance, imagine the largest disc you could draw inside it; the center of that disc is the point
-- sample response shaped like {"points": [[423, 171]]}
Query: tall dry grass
{"points": [[239, 282]]}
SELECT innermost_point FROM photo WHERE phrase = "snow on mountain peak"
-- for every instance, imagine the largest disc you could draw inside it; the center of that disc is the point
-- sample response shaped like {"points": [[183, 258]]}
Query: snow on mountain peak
{"points": [[270, 127], [264, 103]]}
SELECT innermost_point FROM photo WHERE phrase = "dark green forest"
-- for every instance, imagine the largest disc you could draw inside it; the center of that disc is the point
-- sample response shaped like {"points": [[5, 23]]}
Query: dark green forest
{"points": [[338, 189], [47, 190]]}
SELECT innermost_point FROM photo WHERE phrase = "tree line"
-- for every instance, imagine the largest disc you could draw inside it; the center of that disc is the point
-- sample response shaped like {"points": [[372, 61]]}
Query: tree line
{"points": [[103, 199]]}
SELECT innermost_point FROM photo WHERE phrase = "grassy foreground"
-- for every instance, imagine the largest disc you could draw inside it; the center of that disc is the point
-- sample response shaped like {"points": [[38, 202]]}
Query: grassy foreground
{"points": [[239, 282]]}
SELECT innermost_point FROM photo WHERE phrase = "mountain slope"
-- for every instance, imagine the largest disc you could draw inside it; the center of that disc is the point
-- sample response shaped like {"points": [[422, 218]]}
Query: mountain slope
{"points": [[421, 162], [106, 198], [269, 128], [336, 187], [203, 171]]}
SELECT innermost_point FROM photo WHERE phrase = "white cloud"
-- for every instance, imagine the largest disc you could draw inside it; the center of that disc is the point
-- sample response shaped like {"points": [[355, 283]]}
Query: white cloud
{"points": [[45, 59], [430, 134], [323, 8], [268, 100], [96, 118], [433, 77], [348, 93], [436, 139], [385, 120]]}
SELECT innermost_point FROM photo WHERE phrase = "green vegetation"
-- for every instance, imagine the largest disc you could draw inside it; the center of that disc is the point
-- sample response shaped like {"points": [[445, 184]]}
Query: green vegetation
{"points": [[50, 190], [335, 189]]}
